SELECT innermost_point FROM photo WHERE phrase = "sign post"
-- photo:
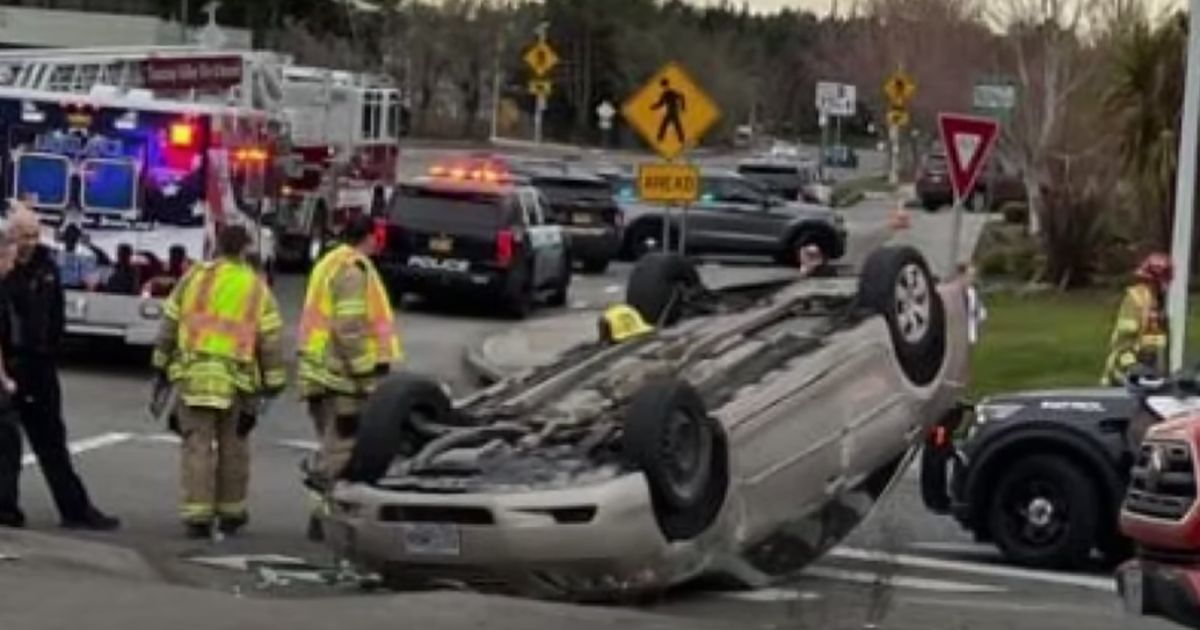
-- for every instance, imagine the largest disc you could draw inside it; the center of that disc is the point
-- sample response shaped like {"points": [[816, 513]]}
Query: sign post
{"points": [[995, 97], [899, 89], [672, 113], [541, 59], [968, 141], [1185, 195], [836, 100]]}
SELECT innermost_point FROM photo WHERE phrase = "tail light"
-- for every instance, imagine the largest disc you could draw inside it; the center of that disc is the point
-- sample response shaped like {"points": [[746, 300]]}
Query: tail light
{"points": [[381, 233], [504, 248]]}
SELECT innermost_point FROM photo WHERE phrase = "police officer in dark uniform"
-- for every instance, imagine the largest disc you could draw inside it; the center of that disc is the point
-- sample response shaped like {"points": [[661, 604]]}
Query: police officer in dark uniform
{"points": [[37, 303]]}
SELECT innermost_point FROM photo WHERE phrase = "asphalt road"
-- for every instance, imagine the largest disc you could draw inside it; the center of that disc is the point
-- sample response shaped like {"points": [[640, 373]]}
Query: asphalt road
{"points": [[932, 576]]}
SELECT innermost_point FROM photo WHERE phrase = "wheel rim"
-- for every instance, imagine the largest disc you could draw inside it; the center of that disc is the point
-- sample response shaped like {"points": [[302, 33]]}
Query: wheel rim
{"points": [[687, 454], [645, 243], [913, 303], [1036, 513]]}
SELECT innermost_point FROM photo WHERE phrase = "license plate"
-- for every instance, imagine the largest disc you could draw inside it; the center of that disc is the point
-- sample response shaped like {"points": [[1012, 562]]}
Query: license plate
{"points": [[581, 218], [441, 244], [76, 308], [431, 539]]}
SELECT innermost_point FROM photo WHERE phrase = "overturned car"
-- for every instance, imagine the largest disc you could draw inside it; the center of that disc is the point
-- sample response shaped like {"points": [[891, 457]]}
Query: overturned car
{"points": [[744, 435]]}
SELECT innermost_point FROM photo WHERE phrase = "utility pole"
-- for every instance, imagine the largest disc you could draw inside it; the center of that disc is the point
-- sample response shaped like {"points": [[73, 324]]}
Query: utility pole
{"points": [[540, 108], [496, 88], [1185, 194]]}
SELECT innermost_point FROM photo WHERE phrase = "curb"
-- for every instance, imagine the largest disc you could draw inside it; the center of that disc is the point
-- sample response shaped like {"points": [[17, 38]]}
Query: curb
{"points": [[477, 364]]}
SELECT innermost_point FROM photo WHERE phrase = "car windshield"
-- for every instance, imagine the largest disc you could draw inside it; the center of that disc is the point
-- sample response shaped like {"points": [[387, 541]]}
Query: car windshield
{"points": [[426, 207], [566, 191]]}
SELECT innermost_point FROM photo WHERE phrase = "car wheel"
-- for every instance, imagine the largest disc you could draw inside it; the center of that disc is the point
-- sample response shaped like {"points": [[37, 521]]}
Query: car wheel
{"points": [[896, 284], [682, 451], [659, 285], [563, 289], [791, 254], [388, 424], [643, 239], [518, 298], [930, 205], [595, 265], [1043, 513]]}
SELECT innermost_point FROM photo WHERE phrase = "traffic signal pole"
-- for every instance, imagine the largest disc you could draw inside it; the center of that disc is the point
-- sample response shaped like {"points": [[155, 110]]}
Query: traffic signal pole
{"points": [[1185, 195]]}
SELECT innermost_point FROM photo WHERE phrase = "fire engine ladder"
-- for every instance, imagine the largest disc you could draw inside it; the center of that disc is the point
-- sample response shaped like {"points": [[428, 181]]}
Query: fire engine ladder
{"points": [[119, 70]]}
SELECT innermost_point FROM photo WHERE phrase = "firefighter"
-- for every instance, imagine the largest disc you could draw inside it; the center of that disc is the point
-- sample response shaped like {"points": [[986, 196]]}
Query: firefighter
{"points": [[1140, 334], [220, 346], [346, 342]]}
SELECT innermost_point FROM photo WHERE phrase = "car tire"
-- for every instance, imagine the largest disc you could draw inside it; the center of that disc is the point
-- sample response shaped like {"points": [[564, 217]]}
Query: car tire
{"points": [[930, 206], [562, 291], [682, 451], [518, 294], [595, 265], [385, 429], [637, 240], [896, 283], [657, 287], [1042, 496]]}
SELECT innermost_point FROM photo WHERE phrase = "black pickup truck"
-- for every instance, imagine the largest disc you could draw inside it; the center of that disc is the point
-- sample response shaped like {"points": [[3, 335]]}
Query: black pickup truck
{"points": [[1041, 474], [479, 235]]}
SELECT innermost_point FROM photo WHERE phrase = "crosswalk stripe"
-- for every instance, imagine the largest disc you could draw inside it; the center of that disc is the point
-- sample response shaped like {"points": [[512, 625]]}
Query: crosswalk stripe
{"points": [[84, 445], [923, 562]]}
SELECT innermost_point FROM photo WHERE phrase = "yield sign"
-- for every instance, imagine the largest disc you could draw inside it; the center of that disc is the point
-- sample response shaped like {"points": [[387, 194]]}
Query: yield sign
{"points": [[968, 141]]}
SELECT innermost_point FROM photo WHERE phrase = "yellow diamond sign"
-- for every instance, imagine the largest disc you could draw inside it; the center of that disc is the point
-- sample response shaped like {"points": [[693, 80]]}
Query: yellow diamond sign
{"points": [[899, 89], [541, 58], [671, 111]]}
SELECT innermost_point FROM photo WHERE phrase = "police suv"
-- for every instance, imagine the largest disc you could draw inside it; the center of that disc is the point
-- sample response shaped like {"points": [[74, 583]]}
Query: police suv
{"points": [[470, 229]]}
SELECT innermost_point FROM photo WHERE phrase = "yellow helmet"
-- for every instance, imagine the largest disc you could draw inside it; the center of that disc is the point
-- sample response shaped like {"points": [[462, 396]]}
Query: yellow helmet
{"points": [[621, 322]]}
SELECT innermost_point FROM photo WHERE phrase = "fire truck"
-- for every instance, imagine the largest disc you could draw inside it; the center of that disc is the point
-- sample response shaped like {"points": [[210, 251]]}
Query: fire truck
{"points": [[343, 131], [132, 157]]}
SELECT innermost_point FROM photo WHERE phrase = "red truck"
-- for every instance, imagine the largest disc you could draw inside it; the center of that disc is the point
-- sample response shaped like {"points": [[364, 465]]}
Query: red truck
{"points": [[1160, 511]]}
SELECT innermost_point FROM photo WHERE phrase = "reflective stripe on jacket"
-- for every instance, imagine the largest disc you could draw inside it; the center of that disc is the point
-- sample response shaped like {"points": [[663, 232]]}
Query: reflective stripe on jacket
{"points": [[1139, 335], [221, 335], [346, 327]]}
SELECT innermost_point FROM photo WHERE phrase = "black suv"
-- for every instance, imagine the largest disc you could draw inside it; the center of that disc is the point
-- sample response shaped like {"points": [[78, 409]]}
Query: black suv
{"points": [[584, 206], [1042, 474], [477, 232]]}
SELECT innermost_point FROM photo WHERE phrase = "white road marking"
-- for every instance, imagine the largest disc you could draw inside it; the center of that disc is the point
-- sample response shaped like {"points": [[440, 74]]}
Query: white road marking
{"points": [[994, 605], [84, 445], [300, 445], [902, 581], [965, 549], [612, 288], [922, 562], [771, 595], [242, 563], [579, 304], [160, 438]]}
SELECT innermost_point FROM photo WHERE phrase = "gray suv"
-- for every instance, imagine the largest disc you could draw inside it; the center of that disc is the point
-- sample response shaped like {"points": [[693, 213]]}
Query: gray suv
{"points": [[733, 216]]}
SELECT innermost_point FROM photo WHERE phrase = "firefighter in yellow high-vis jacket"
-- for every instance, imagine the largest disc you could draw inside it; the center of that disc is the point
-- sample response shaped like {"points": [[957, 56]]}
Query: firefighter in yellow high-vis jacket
{"points": [[346, 342], [220, 346], [1140, 334]]}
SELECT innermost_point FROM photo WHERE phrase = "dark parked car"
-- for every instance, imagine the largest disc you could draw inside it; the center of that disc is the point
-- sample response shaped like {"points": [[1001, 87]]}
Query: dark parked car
{"points": [[477, 233], [991, 192], [584, 206], [733, 216], [787, 179]]}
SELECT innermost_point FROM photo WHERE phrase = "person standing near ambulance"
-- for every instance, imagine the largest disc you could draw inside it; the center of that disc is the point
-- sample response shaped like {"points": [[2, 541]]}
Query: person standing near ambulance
{"points": [[220, 346], [346, 343]]}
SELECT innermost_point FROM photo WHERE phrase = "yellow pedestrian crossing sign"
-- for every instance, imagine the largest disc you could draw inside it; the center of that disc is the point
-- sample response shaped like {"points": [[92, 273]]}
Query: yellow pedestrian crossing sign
{"points": [[671, 111], [541, 58]]}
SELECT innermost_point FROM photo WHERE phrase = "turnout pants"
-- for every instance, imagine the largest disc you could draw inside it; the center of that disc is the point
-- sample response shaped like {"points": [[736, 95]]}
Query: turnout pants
{"points": [[335, 420], [215, 471]]}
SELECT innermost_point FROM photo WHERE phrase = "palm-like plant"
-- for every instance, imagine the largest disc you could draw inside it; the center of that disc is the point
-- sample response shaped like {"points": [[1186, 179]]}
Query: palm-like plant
{"points": [[1145, 98]]}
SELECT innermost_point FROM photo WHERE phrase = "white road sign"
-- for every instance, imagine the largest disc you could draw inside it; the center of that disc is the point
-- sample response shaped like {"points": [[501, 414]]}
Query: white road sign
{"points": [[836, 99], [994, 96], [605, 112]]}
